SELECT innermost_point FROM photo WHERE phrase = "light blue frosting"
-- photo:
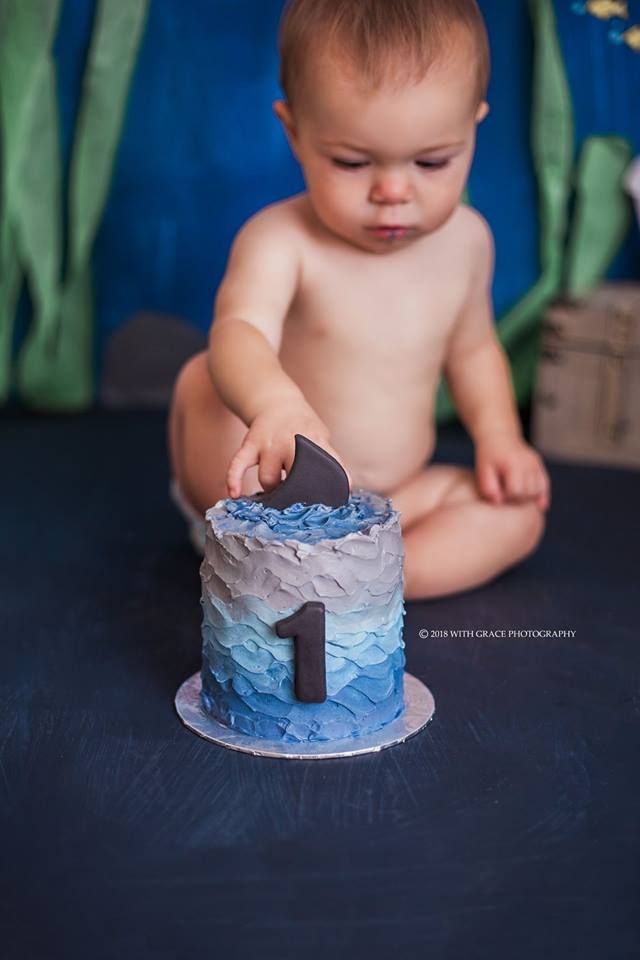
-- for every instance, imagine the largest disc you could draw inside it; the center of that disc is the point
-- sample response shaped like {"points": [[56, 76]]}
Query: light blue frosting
{"points": [[309, 523], [248, 672], [257, 572]]}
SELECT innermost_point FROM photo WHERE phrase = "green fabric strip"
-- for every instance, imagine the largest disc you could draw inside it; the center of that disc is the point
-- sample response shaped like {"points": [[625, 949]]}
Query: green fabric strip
{"points": [[10, 286], [57, 373], [29, 225], [552, 143], [117, 35], [602, 212]]}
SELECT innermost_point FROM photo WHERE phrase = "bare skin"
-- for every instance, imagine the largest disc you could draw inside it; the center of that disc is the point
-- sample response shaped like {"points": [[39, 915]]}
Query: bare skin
{"points": [[327, 328]]}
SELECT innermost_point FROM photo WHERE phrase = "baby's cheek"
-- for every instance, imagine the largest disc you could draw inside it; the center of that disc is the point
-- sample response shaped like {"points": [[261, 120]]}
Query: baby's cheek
{"points": [[327, 190], [342, 192], [343, 201]]}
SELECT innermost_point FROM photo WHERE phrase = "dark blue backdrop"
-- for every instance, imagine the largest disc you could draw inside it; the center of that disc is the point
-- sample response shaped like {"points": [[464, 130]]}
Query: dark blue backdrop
{"points": [[201, 150]]}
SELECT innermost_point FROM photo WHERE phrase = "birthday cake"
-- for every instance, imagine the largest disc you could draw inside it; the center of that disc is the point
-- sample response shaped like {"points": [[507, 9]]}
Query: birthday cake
{"points": [[302, 618]]}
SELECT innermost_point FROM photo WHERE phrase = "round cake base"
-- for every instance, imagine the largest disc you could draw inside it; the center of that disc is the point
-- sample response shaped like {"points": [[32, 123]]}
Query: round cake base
{"points": [[419, 709]]}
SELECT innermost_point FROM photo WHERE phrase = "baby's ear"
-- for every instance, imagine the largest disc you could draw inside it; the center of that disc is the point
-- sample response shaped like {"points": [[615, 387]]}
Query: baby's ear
{"points": [[283, 112], [482, 111]]}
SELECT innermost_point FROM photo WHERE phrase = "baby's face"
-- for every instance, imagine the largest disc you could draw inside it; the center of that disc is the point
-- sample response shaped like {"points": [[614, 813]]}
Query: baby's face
{"points": [[384, 168]]}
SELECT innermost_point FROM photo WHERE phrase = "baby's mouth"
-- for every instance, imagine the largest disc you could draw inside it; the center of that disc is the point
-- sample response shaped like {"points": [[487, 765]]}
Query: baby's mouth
{"points": [[390, 233]]}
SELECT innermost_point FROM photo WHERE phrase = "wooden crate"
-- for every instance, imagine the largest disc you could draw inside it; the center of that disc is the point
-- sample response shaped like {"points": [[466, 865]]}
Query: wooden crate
{"points": [[586, 404]]}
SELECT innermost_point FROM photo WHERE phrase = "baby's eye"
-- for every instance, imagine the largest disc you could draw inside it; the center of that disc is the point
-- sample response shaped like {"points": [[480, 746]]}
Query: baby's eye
{"points": [[348, 164], [432, 164]]}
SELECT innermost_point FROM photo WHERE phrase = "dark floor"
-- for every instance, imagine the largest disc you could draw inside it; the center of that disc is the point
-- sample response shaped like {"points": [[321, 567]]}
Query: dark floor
{"points": [[508, 829]]}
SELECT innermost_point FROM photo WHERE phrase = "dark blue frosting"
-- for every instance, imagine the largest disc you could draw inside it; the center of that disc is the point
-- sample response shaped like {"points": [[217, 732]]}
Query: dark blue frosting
{"points": [[309, 523]]}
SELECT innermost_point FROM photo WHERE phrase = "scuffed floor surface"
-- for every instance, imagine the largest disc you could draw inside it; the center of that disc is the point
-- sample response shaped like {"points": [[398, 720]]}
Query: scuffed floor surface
{"points": [[509, 828]]}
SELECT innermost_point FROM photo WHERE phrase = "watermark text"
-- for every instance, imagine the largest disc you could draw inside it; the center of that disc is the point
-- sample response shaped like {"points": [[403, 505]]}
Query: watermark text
{"points": [[502, 632]]}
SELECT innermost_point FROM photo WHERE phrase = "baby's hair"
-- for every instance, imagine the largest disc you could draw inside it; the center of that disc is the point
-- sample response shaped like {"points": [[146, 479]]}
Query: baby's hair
{"points": [[383, 39]]}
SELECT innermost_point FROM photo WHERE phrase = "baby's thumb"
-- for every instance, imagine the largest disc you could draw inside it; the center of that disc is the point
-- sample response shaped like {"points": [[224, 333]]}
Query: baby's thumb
{"points": [[246, 456]]}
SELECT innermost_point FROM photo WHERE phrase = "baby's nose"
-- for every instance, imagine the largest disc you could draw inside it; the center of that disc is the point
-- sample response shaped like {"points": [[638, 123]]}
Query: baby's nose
{"points": [[390, 188]]}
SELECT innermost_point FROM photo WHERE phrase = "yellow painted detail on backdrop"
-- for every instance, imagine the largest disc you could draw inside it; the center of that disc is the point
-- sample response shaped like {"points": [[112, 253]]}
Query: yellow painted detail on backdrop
{"points": [[632, 37], [615, 10], [606, 9]]}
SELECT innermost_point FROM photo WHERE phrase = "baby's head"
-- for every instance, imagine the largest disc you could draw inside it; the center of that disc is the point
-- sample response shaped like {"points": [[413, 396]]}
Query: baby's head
{"points": [[382, 102]]}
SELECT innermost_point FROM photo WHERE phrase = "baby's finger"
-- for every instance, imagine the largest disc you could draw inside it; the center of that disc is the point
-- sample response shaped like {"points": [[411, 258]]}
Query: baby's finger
{"points": [[489, 482], [514, 482], [535, 479], [270, 469], [542, 502], [246, 456], [544, 498], [533, 485]]}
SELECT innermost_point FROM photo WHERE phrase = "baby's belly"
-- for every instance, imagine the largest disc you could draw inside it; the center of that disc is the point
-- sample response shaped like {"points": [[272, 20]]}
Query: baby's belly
{"points": [[381, 460], [384, 436]]}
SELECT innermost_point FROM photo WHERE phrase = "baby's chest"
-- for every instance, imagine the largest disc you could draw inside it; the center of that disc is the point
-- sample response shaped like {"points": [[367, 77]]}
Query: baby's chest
{"points": [[386, 315]]}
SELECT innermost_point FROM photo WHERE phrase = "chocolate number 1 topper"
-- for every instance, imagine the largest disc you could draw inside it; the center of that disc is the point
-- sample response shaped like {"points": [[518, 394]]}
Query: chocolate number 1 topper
{"points": [[306, 626]]}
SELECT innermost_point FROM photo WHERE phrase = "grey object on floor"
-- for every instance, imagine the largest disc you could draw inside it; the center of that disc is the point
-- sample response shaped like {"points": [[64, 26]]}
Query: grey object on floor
{"points": [[143, 358]]}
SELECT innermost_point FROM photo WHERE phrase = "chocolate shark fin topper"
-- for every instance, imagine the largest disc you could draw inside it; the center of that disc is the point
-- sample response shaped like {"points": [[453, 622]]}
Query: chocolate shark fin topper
{"points": [[315, 477]]}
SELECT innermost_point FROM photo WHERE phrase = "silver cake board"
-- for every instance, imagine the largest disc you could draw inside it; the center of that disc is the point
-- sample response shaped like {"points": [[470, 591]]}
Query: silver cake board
{"points": [[419, 709]]}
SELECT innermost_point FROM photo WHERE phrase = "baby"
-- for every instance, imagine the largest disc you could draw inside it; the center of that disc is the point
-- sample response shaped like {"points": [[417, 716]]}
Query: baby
{"points": [[341, 306]]}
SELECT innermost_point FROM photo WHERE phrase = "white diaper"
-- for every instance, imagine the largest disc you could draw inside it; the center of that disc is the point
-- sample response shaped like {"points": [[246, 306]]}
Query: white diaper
{"points": [[195, 520]]}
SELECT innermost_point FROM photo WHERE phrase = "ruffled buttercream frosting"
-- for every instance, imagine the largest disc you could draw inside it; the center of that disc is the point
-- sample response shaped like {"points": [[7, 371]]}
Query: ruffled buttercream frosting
{"points": [[309, 523], [260, 565]]}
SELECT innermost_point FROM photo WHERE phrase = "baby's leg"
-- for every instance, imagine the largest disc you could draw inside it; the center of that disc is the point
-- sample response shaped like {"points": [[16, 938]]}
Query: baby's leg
{"points": [[203, 437], [456, 540]]}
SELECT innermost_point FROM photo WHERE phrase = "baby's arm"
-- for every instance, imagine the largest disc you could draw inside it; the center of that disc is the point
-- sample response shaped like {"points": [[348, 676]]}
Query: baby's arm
{"points": [[479, 379], [250, 308]]}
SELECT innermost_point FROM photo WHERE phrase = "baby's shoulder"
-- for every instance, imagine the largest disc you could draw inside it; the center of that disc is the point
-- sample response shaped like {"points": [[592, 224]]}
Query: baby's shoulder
{"points": [[472, 235], [281, 222]]}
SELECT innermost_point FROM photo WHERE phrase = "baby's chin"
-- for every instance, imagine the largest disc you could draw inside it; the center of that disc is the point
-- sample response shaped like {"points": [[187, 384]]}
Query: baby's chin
{"points": [[365, 239]]}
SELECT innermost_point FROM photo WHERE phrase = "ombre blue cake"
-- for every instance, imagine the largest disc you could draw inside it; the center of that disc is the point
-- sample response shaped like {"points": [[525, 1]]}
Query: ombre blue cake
{"points": [[261, 565]]}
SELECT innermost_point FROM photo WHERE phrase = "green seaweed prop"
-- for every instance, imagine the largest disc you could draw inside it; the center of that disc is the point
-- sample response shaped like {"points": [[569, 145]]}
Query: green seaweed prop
{"points": [[571, 260], [55, 363], [602, 212], [30, 213]]}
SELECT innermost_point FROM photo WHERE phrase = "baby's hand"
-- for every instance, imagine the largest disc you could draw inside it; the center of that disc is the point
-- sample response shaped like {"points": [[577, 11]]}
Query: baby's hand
{"points": [[508, 469], [270, 443]]}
